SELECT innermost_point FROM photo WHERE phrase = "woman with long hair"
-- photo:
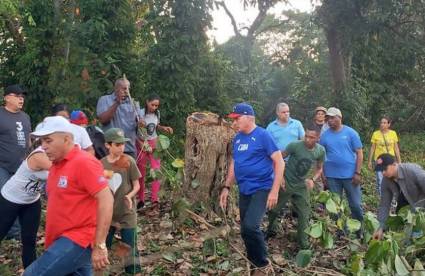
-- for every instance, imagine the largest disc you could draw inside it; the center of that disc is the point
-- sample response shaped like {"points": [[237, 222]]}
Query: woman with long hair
{"points": [[146, 147], [384, 140]]}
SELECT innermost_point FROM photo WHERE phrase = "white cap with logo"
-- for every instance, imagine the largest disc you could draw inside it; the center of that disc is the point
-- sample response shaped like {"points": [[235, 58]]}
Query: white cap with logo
{"points": [[51, 125]]}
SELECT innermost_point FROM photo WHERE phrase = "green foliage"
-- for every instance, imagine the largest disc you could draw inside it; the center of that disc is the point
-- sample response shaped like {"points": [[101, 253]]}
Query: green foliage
{"points": [[177, 55], [303, 258], [398, 252], [72, 53]]}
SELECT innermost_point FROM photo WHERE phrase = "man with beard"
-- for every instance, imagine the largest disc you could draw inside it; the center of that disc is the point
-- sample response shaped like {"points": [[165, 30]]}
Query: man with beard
{"points": [[257, 166]]}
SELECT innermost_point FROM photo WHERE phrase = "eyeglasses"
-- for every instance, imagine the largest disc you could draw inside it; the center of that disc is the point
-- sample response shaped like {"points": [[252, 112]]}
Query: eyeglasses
{"points": [[16, 95]]}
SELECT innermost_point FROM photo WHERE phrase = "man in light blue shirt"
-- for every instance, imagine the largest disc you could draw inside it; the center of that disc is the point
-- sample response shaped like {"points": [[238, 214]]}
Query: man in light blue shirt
{"points": [[115, 110], [285, 129]]}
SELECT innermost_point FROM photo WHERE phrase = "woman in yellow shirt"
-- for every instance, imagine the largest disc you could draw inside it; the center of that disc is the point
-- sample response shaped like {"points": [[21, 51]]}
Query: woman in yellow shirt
{"points": [[383, 140]]}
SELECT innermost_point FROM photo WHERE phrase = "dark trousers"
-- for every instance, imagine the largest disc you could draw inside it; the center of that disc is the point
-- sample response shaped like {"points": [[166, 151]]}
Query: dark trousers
{"points": [[15, 229], [300, 198], [252, 210], [29, 219], [128, 236]]}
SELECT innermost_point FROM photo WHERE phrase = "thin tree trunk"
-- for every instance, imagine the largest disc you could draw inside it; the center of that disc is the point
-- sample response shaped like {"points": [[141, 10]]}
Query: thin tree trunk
{"points": [[336, 58]]}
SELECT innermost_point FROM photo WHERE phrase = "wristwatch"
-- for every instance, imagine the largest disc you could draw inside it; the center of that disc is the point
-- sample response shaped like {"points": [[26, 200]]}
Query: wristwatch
{"points": [[101, 246]]}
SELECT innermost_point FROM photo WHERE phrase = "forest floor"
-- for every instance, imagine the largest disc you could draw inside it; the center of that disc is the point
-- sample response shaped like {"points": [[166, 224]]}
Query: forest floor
{"points": [[193, 245], [198, 247]]}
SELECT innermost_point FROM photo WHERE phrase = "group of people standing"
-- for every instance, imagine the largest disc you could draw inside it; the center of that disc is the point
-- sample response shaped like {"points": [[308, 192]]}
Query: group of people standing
{"points": [[88, 198], [284, 162]]}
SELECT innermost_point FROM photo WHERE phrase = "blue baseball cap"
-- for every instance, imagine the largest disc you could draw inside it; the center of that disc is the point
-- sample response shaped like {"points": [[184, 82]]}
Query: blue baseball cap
{"points": [[240, 110]]}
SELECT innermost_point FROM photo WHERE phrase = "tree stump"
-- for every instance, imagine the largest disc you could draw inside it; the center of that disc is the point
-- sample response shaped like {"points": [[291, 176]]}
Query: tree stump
{"points": [[207, 152]]}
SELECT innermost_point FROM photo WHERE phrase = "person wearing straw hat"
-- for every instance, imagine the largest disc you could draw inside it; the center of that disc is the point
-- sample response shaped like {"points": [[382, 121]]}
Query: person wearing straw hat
{"points": [[319, 120], [79, 209], [124, 182], [117, 110]]}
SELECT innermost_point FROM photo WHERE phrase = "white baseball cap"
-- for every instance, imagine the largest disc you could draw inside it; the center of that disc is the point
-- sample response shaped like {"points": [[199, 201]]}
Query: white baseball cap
{"points": [[51, 125]]}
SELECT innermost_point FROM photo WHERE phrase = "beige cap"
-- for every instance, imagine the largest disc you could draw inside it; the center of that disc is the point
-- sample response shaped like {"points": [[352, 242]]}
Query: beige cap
{"points": [[320, 108], [333, 111]]}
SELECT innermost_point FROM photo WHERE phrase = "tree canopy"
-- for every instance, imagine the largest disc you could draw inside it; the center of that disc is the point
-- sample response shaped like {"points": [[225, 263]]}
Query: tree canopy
{"points": [[365, 57]]}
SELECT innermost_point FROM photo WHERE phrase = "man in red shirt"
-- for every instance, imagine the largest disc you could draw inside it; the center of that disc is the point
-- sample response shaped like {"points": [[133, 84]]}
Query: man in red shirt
{"points": [[79, 207]]}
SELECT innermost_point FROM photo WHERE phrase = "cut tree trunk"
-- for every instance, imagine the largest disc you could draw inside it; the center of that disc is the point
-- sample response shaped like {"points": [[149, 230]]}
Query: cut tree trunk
{"points": [[207, 152]]}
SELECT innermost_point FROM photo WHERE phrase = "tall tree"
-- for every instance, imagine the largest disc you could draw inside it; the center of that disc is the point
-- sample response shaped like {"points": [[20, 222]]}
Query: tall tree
{"points": [[245, 39], [67, 51], [175, 58]]}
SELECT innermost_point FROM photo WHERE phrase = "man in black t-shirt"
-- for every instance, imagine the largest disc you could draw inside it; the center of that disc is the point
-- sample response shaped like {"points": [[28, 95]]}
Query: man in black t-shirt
{"points": [[15, 128]]}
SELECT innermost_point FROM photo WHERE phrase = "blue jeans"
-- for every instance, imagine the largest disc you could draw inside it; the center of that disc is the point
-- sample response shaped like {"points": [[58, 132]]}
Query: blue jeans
{"points": [[15, 229], [252, 209], [379, 177], [63, 257], [353, 193], [128, 236]]}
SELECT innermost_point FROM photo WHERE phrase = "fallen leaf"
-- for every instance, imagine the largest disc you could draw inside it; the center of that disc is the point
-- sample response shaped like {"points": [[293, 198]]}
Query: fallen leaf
{"points": [[279, 259], [185, 266], [121, 249], [211, 258]]}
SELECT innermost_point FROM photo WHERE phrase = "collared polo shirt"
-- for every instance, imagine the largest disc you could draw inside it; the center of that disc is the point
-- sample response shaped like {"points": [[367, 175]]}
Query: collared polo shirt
{"points": [[72, 207], [283, 135], [124, 118]]}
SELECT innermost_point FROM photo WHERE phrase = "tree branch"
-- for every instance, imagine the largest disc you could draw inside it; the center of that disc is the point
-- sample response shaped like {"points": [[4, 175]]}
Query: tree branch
{"points": [[232, 18], [271, 27], [13, 28], [263, 7]]}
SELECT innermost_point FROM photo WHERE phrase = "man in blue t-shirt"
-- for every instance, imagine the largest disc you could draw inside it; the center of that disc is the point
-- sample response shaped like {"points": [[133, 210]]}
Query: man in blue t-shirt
{"points": [[258, 166], [285, 129], [344, 158]]}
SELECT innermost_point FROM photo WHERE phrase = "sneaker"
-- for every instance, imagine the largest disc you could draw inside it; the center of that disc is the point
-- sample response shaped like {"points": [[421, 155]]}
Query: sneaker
{"points": [[140, 205]]}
